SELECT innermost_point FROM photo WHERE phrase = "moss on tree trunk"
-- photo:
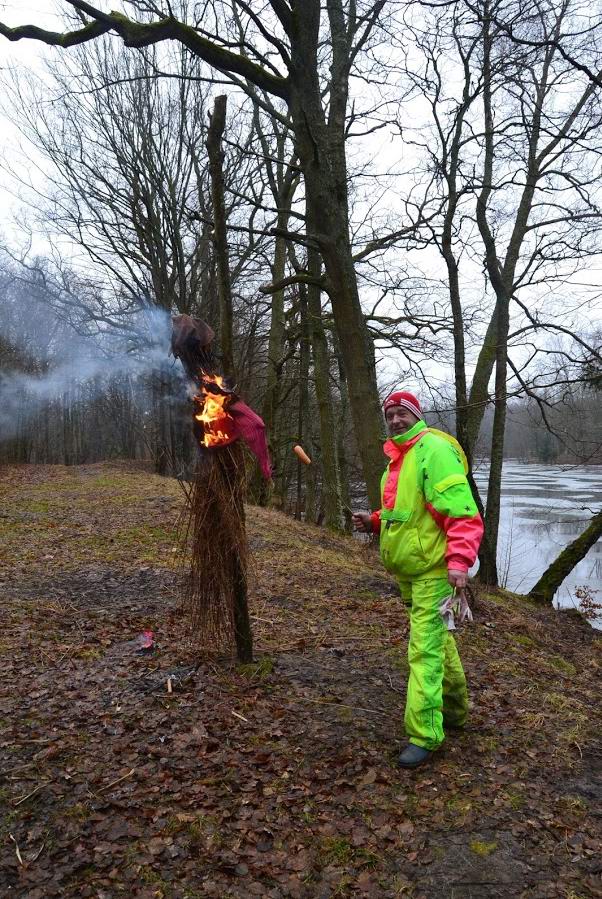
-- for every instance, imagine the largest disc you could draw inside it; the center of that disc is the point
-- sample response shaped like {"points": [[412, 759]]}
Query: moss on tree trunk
{"points": [[552, 578]]}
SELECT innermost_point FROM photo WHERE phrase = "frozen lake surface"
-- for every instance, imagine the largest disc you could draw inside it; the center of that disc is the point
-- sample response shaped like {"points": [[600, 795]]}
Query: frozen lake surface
{"points": [[543, 511]]}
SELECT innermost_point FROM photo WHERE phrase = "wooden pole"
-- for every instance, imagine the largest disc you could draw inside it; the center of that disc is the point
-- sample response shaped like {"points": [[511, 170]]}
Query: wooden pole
{"points": [[224, 290]]}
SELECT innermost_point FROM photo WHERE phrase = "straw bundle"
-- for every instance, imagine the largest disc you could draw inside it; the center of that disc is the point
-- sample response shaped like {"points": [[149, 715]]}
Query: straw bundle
{"points": [[215, 536]]}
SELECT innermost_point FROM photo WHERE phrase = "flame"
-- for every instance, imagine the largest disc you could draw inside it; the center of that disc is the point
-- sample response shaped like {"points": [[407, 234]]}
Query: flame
{"points": [[218, 425]]}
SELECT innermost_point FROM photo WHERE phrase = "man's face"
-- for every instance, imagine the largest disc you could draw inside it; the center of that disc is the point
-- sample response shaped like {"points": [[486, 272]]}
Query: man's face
{"points": [[399, 420]]}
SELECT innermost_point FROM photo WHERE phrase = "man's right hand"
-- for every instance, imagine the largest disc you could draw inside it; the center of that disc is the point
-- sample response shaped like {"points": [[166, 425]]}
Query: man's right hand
{"points": [[362, 521]]}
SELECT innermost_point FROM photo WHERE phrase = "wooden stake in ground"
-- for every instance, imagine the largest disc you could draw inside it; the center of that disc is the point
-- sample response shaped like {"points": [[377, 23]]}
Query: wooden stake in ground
{"points": [[216, 589]]}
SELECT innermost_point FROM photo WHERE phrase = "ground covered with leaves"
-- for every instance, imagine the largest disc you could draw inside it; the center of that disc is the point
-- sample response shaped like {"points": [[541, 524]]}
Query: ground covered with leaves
{"points": [[176, 774]]}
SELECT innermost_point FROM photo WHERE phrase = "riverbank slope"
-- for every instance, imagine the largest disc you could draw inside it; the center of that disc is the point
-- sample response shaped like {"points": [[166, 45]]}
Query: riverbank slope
{"points": [[278, 779]]}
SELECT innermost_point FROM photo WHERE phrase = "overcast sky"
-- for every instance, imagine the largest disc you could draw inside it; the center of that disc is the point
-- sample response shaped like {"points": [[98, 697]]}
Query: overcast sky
{"points": [[27, 54]]}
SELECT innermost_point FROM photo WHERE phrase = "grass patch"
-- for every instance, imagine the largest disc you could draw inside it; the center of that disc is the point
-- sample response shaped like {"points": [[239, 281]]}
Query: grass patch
{"points": [[146, 535], [482, 847], [109, 481], [308, 816], [515, 799], [574, 805], [573, 725], [8, 821], [557, 702], [488, 744], [508, 668], [533, 721], [367, 595], [339, 852], [152, 877], [522, 640], [199, 830], [458, 806], [37, 506], [77, 812], [259, 670], [562, 665], [335, 851], [343, 886], [89, 654], [399, 661]]}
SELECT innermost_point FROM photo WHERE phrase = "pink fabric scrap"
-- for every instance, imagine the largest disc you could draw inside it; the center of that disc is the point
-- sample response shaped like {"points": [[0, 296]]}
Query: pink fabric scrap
{"points": [[250, 428]]}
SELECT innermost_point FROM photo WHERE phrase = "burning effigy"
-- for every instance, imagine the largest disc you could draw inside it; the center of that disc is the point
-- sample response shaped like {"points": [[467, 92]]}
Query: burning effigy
{"points": [[216, 584]]}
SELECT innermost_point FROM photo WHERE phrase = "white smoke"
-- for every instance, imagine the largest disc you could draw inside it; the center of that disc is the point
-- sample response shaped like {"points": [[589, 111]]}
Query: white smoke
{"points": [[138, 351]]}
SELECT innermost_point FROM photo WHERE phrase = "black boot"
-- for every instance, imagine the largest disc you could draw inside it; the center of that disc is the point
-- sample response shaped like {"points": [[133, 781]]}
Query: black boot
{"points": [[413, 756]]}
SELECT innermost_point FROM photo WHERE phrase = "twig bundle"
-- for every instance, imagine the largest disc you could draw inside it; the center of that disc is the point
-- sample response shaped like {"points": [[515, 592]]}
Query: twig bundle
{"points": [[217, 543], [215, 537]]}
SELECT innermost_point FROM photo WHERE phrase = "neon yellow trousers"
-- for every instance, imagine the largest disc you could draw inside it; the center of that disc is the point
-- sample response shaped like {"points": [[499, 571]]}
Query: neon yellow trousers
{"points": [[437, 693]]}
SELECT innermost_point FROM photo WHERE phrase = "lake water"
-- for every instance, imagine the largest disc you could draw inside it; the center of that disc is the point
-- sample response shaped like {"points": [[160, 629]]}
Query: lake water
{"points": [[542, 513]]}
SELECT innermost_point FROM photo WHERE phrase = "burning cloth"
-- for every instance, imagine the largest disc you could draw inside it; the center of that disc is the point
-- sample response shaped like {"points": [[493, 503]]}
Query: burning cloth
{"points": [[221, 417]]}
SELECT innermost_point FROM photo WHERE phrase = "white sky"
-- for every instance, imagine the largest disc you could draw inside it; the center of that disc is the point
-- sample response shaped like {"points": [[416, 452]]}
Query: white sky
{"points": [[23, 54]]}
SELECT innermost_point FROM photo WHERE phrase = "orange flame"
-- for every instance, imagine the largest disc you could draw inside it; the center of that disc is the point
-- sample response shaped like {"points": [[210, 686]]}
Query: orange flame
{"points": [[218, 425]]}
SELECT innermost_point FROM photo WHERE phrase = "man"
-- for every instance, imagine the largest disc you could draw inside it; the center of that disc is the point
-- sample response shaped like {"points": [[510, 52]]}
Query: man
{"points": [[430, 531]]}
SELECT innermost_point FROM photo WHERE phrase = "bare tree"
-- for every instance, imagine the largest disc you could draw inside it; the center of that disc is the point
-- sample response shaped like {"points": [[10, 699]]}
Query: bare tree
{"points": [[282, 55], [513, 156], [132, 187]]}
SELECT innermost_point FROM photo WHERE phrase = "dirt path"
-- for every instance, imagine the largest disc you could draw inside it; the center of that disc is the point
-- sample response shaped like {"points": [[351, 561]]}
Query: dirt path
{"points": [[279, 779]]}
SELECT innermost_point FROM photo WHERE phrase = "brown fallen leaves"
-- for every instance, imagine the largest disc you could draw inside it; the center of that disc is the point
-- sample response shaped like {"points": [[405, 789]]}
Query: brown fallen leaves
{"points": [[278, 779]]}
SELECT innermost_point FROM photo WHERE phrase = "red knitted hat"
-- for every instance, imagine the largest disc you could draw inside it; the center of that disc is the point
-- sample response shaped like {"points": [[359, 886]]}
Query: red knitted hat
{"points": [[404, 399]]}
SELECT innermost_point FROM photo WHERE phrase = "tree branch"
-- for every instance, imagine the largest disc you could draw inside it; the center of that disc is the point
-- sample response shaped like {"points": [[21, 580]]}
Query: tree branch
{"points": [[299, 278], [54, 38], [143, 34]]}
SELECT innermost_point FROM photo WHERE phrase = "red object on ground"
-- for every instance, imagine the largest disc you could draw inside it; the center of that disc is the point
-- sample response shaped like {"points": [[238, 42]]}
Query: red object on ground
{"points": [[146, 641]]}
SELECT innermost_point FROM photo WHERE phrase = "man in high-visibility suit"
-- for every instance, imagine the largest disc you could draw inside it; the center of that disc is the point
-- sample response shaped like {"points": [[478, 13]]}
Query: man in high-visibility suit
{"points": [[430, 531]]}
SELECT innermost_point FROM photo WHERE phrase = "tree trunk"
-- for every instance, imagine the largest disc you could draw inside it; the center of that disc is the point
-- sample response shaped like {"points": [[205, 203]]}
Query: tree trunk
{"points": [[321, 150], [271, 398], [331, 488], [479, 392], [206, 306], [500, 319], [276, 337], [488, 572], [553, 576], [303, 404], [305, 429], [216, 158], [341, 448], [162, 446]]}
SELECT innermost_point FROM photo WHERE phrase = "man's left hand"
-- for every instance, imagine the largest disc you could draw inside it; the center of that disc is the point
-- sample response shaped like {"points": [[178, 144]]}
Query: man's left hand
{"points": [[457, 579]]}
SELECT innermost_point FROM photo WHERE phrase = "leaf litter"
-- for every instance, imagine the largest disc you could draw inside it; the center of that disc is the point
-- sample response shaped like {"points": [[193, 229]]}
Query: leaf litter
{"points": [[166, 770]]}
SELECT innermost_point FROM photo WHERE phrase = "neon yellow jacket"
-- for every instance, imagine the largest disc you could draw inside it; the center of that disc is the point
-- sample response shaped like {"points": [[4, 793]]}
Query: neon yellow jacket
{"points": [[428, 521]]}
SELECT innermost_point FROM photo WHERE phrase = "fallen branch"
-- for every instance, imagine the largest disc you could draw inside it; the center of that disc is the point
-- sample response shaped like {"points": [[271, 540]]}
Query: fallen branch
{"points": [[33, 792], [17, 851], [115, 782], [342, 705]]}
